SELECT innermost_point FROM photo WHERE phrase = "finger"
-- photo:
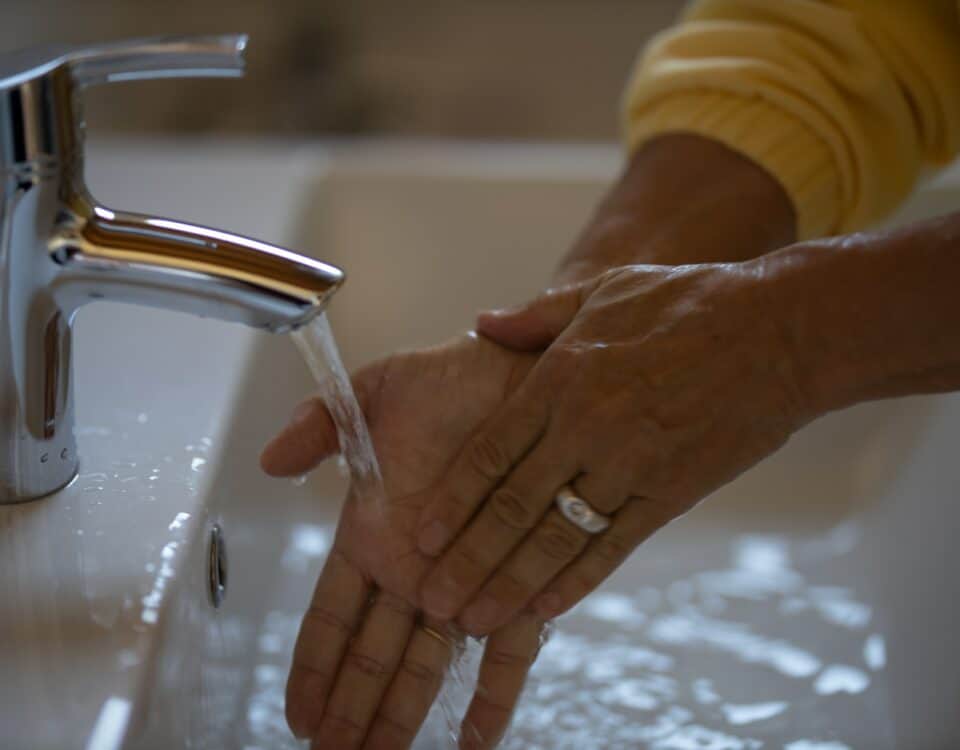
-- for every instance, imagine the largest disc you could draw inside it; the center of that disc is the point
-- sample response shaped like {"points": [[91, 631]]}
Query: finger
{"points": [[311, 435], [485, 459], [507, 658], [636, 521], [309, 438], [366, 671], [604, 489], [336, 609], [414, 688], [505, 519], [533, 326], [552, 545]]}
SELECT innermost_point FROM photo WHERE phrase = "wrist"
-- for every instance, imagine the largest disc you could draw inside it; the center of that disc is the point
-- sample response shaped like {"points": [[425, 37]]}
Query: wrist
{"points": [[683, 199], [793, 283], [870, 316]]}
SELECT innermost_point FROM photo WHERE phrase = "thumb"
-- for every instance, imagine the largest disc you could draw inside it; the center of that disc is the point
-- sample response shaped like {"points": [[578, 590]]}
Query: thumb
{"points": [[311, 435], [534, 325]]}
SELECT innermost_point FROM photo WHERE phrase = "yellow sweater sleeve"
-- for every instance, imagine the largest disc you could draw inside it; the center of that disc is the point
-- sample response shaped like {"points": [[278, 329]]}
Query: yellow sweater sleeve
{"points": [[845, 102]]}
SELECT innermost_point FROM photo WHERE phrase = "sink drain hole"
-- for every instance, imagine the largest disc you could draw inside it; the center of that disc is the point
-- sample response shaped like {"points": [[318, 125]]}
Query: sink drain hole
{"points": [[217, 566]]}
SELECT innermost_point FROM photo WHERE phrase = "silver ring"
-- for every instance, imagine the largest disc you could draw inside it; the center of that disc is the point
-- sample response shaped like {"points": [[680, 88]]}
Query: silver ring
{"points": [[579, 512]]}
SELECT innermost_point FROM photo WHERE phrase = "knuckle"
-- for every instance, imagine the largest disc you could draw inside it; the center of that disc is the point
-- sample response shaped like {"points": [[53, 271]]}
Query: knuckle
{"points": [[467, 559], [626, 276], [510, 586], [510, 510], [346, 730], [504, 658], [395, 726], [557, 543], [488, 457], [395, 604], [613, 548], [307, 678], [368, 665], [466, 563], [320, 615], [421, 672]]}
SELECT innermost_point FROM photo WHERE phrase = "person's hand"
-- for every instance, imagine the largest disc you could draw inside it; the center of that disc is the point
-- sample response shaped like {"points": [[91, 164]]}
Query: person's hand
{"points": [[657, 386], [366, 669]]}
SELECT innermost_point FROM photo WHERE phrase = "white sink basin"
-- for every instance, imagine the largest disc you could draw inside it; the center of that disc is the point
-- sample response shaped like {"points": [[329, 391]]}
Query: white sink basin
{"points": [[813, 601]]}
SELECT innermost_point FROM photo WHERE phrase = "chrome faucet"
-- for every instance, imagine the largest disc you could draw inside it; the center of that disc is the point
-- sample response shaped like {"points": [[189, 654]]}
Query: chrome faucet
{"points": [[59, 249]]}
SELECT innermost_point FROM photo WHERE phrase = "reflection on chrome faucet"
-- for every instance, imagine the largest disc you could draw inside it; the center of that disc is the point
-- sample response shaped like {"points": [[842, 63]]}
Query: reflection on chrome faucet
{"points": [[60, 250]]}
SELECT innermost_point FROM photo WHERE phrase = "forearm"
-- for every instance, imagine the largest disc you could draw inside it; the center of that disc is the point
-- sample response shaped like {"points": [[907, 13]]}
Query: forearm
{"points": [[873, 316], [683, 199]]}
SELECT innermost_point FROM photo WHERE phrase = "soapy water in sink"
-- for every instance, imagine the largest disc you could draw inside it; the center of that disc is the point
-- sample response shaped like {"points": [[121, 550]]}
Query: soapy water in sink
{"points": [[318, 347], [718, 644]]}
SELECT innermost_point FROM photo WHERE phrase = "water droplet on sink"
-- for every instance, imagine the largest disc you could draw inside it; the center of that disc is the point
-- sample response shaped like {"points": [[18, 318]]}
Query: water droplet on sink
{"points": [[875, 652], [839, 678], [748, 714]]}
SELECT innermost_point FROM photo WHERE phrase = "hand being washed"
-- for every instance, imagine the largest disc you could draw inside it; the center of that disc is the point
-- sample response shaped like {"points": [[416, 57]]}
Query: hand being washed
{"points": [[657, 386], [651, 375], [366, 669]]}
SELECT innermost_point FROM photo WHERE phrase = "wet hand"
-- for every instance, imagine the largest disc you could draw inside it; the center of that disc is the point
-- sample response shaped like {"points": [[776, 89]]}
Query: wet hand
{"points": [[657, 386], [367, 666]]}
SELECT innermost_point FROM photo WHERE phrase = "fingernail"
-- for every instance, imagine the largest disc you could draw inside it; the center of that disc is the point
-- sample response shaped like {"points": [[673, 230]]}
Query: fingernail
{"points": [[548, 605], [481, 616], [433, 538], [440, 599]]}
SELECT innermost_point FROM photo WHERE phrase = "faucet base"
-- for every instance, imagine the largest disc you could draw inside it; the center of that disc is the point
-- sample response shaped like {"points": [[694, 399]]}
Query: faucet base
{"points": [[10, 498], [49, 467]]}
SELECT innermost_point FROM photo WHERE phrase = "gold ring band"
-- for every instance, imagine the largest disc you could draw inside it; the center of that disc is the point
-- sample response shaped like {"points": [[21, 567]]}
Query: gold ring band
{"points": [[448, 642]]}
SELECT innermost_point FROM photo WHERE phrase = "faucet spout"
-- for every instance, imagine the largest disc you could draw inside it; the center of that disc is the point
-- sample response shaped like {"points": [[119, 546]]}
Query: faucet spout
{"points": [[60, 250], [92, 253], [104, 254]]}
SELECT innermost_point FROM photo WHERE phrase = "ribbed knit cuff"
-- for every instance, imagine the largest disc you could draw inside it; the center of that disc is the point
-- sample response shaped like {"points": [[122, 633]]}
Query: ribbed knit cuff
{"points": [[764, 133]]}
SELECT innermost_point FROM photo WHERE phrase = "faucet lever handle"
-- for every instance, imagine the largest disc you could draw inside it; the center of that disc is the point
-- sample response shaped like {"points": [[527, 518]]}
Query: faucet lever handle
{"points": [[130, 60], [219, 56], [39, 119]]}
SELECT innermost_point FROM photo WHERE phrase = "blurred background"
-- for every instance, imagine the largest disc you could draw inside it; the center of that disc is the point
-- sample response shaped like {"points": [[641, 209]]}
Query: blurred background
{"points": [[489, 69]]}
